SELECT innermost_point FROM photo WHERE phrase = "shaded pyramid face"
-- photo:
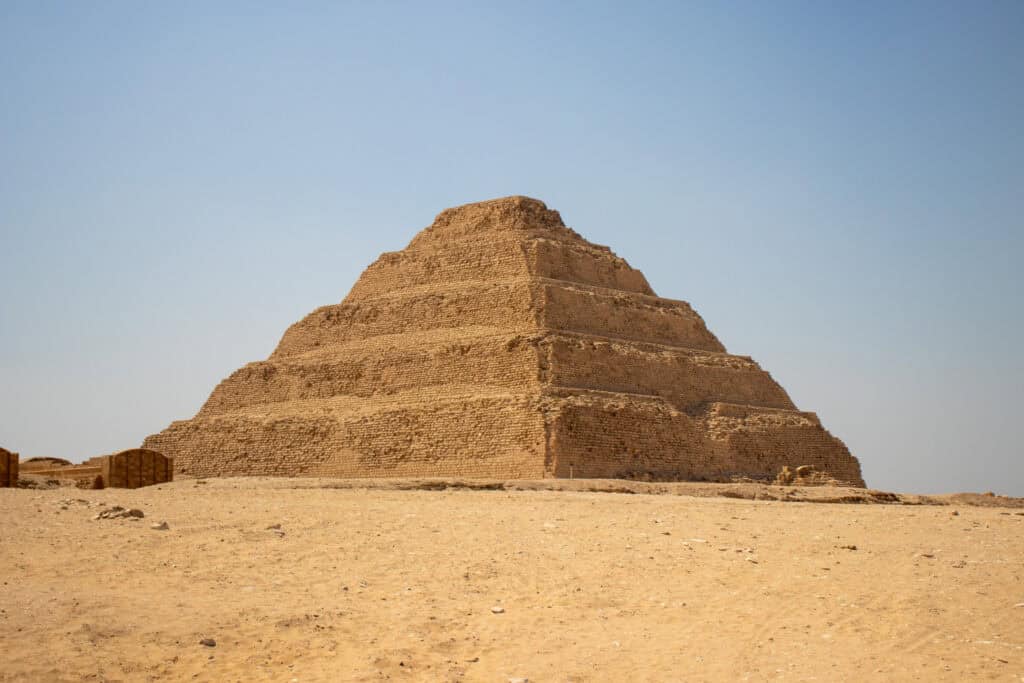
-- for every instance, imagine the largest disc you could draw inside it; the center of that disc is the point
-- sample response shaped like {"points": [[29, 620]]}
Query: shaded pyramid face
{"points": [[502, 344]]}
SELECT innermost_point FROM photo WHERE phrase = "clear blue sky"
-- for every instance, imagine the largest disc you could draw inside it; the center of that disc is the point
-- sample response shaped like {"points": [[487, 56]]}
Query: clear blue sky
{"points": [[837, 188]]}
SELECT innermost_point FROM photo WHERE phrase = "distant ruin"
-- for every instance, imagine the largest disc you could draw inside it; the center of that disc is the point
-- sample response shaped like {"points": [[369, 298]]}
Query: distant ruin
{"points": [[8, 468], [130, 469], [500, 343]]}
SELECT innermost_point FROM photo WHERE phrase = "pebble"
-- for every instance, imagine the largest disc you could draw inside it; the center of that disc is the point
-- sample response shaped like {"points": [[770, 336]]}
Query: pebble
{"points": [[1019, 604], [208, 642], [519, 680], [497, 610], [162, 526]]}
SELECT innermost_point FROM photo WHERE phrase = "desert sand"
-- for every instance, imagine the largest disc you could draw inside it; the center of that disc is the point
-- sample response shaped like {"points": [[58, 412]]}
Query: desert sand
{"points": [[367, 581]]}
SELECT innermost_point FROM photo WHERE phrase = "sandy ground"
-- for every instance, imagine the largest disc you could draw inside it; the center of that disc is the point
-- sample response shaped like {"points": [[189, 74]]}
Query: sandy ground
{"points": [[387, 584]]}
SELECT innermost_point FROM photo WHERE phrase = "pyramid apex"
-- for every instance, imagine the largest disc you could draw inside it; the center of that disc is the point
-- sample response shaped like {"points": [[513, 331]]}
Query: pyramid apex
{"points": [[512, 213], [510, 205]]}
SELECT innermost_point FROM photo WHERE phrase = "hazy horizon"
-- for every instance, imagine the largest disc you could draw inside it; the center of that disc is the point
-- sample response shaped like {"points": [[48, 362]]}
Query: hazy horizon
{"points": [[838, 191]]}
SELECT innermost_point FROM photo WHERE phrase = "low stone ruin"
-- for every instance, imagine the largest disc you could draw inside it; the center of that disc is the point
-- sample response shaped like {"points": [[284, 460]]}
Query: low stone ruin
{"points": [[128, 469], [8, 468]]}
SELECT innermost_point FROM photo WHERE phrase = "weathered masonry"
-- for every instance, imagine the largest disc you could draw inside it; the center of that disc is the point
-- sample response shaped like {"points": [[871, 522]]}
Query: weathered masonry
{"points": [[129, 469], [500, 343], [8, 468]]}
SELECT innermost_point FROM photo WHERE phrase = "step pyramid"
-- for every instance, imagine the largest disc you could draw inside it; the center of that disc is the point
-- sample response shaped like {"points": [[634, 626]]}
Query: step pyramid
{"points": [[500, 343]]}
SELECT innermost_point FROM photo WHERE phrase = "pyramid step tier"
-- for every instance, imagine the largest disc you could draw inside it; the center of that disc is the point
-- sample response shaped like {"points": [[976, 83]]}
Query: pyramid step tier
{"points": [[496, 358], [577, 433], [497, 257], [609, 436], [512, 304]]}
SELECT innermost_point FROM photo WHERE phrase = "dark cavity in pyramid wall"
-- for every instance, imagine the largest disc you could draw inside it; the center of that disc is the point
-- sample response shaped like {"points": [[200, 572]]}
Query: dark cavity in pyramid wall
{"points": [[500, 343]]}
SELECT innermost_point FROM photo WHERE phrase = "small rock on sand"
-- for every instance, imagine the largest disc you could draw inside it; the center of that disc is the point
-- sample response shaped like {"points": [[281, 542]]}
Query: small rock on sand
{"points": [[208, 642], [498, 609], [162, 526], [117, 511]]}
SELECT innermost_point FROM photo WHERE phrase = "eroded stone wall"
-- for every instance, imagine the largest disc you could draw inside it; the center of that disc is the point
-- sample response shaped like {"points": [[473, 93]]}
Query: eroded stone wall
{"points": [[501, 258], [582, 263], [625, 315], [689, 378], [367, 369], [490, 436], [499, 305], [604, 436]]}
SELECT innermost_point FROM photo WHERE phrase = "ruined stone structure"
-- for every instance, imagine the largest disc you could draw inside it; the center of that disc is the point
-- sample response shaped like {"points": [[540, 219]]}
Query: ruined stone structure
{"points": [[129, 469], [8, 468], [500, 343], [135, 468]]}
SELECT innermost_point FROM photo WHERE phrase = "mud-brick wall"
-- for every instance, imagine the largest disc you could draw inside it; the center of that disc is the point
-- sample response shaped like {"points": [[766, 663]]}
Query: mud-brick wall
{"points": [[506, 305], [472, 437], [8, 468], [136, 468], [625, 315], [639, 440], [496, 361], [687, 378]]}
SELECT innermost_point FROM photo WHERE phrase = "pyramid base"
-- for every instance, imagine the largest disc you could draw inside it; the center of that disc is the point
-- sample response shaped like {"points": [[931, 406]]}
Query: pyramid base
{"points": [[614, 436], [479, 437], [581, 434]]}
